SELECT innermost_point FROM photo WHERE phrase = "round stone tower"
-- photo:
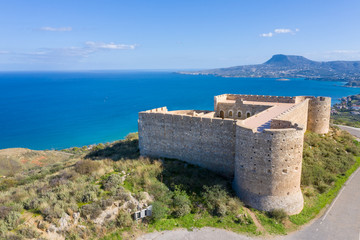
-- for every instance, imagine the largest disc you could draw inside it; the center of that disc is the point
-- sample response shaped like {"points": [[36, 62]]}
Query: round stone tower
{"points": [[319, 115], [268, 168]]}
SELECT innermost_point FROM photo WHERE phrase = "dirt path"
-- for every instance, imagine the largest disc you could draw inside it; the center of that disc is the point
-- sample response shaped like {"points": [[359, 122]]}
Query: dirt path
{"points": [[256, 221]]}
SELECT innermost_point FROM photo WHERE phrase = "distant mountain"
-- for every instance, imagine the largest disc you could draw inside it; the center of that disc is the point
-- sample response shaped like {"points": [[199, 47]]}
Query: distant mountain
{"points": [[289, 66]]}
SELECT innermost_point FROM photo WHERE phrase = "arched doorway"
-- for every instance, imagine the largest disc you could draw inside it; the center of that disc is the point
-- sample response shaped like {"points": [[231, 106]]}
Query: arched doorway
{"points": [[222, 115]]}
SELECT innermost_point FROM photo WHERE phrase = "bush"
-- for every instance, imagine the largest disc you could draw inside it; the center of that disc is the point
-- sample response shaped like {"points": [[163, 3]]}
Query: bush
{"points": [[124, 219], [86, 166], [50, 213], [92, 210], [12, 220], [105, 203], [278, 214], [4, 212], [100, 146], [3, 228], [60, 179], [32, 203], [161, 192], [132, 137], [159, 211], [215, 199], [11, 236], [121, 194], [28, 232], [181, 203], [90, 194], [112, 181]]}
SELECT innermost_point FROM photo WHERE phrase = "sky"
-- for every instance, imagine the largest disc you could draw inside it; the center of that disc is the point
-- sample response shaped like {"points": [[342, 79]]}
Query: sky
{"points": [[63, 35]]}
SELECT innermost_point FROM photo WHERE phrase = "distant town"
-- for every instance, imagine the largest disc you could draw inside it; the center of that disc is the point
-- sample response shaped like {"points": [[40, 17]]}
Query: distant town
{"points": [[289, 66], [347, 111]]}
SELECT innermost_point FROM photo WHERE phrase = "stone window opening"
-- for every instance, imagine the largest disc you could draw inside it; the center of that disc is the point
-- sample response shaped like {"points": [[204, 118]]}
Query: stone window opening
{"points": [[230, 113], [222, 114], [248, 114], [239, 114], [284, 171]]}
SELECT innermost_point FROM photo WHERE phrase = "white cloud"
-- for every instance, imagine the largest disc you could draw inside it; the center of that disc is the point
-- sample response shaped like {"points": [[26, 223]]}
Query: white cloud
{"points": [[52, 29], [345, 51], [270, 34], [283, 30], [71, 53], [100, 45], [280, 31]]}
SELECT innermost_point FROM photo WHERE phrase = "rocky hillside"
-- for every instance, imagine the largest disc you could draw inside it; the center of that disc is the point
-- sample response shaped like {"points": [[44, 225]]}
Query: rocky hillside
{"points": [[16, 160], [93, 192], [288, 66]]}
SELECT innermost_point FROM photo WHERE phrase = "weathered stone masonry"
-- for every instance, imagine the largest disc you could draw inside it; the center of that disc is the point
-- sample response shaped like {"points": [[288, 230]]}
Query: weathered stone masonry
{"points": [[256, 140]]}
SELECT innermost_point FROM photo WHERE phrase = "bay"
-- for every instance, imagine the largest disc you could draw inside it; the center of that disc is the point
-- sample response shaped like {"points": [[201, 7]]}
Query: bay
{"points": [[56, 110]]}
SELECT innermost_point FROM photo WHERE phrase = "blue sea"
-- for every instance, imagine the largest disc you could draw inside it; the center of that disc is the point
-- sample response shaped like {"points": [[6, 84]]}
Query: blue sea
{"points": [[56, 110]]}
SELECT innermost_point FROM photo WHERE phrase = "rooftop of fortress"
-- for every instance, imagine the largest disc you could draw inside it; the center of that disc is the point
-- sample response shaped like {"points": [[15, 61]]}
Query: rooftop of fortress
{"points": [[255, 112]]}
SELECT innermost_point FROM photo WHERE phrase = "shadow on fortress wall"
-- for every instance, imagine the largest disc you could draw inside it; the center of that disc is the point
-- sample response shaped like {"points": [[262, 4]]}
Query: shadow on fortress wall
{"points": [[191, 178], [124, 149]]}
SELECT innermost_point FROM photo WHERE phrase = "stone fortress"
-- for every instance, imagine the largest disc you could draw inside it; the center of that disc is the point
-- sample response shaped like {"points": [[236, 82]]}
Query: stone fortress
{"points": [[256, 140]]}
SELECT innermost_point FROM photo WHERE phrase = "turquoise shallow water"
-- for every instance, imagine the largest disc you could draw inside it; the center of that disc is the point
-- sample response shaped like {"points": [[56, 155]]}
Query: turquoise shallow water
{"points": [[55, 110]]}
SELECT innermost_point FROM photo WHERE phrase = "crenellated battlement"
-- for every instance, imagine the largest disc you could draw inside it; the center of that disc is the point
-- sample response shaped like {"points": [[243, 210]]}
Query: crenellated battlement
{"points": [[255, 139]]}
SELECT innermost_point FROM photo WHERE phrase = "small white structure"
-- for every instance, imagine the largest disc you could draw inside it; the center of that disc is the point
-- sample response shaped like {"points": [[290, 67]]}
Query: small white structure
{"points": [[147, 212]]}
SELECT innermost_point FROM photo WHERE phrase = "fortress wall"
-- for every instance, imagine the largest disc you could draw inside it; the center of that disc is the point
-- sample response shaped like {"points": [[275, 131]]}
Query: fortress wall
{"points": [[319, 115], [261, 98], [238, 106], [161, 109], [206, 142], [297, 114], [268, 168]]}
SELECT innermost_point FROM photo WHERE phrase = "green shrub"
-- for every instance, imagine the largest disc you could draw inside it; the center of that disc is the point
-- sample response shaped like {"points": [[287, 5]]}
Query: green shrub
{"points": [[100, 146], [12, 236], [52, 212], [3, 228], [181, 203], [4, 212], [28, 232], [124, 219], [160, 192], [159, 211], [90, 194], [104, 203], [60, 179], [112, 181], [121, 194], [215, 199], [92, 210], [278, 214], [87, 166], [234, 205], [132, 136], [12, 219]]}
